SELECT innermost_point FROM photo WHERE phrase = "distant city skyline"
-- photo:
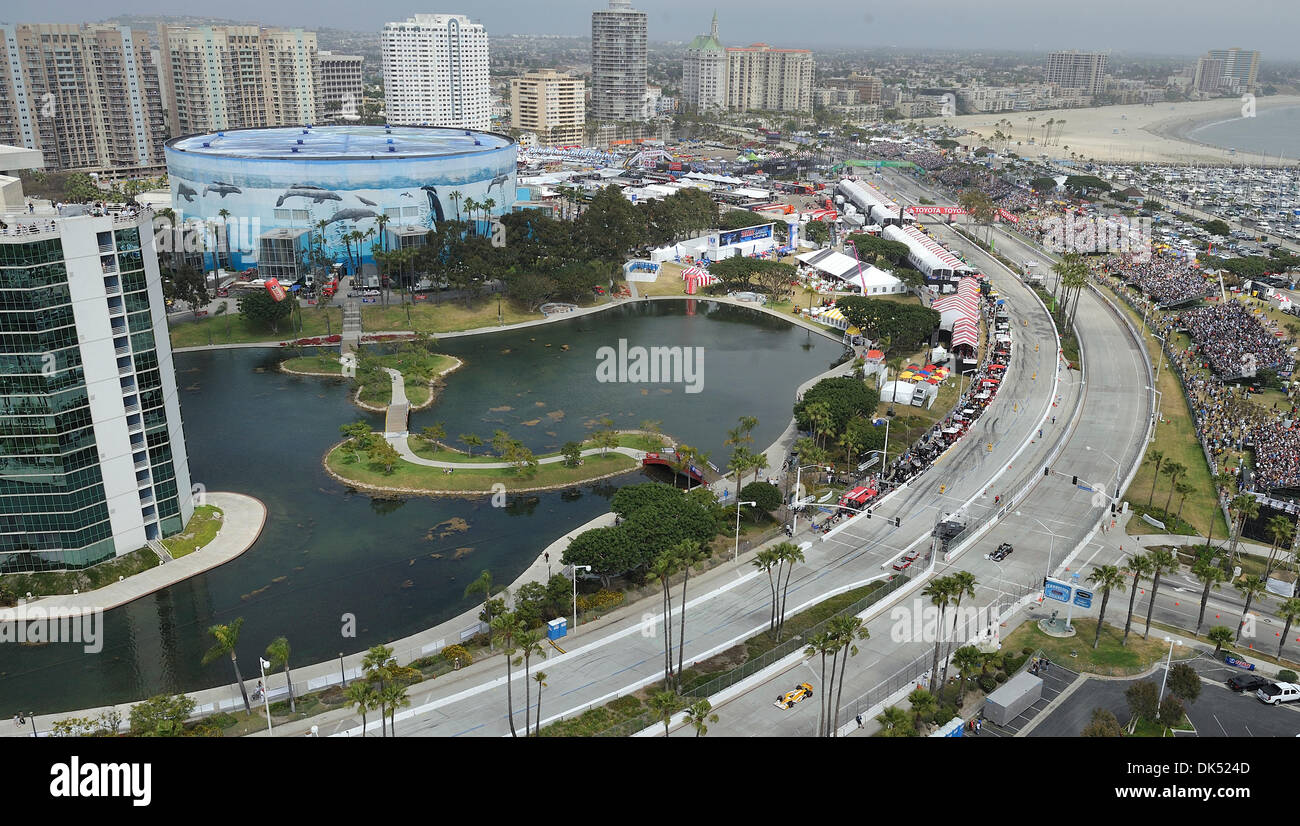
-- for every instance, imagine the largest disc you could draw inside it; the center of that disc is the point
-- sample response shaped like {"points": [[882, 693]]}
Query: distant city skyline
{"points": [[1019, 25]]}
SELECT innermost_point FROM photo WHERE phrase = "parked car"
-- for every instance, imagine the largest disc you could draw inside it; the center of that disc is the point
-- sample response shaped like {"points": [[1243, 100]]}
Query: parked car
{"points": [[1275, 693], [1245, 682]]}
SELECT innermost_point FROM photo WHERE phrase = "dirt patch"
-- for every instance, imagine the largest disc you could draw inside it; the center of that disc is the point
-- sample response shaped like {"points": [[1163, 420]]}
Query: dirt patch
{"points": [[461, 552], [449, 527]]}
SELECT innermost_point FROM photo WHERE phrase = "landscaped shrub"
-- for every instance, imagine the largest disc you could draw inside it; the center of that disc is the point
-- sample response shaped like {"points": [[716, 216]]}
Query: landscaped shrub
{"points": [[1001, 677], [1286, 675], [452, 653], [987, 683], [1026, 651], [602, 600], [625, 705]]}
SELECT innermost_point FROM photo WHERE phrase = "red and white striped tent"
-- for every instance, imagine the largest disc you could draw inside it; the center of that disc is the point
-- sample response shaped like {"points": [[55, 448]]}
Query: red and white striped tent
{"points": [[696, 278], [965, 332]]}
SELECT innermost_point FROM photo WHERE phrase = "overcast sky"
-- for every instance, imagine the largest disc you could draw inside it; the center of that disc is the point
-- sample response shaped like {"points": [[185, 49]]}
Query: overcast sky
{"points": [[1148, 26]]}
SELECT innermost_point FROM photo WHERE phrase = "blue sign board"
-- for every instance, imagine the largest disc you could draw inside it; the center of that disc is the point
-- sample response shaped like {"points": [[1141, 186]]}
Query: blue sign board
{"points": [[1058, 591], [1233, 661], [1083, 598]]}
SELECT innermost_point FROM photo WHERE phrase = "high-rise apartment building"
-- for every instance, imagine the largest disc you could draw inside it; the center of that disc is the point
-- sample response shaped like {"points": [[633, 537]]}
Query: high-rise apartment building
{"points": [[1085, 71], [436, 72], [618, 63], [774, 80], [1208, 76], [234, 77], [230, 77], [92, 456], [87, 97], [1240, 68], [551, 105], [704, 71], [341, 86]]}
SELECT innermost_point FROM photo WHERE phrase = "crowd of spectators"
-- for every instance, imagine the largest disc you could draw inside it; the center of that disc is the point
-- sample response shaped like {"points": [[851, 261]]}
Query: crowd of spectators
{"points": [[1167, 280], [1233, 341]]}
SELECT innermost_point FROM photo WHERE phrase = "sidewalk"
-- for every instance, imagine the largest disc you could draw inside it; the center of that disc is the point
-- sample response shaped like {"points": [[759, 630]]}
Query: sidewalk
{"points": [[243, 518]]}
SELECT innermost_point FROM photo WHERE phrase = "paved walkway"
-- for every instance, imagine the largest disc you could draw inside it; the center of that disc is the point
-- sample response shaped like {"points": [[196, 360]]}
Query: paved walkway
{"points": [[242, 520]]}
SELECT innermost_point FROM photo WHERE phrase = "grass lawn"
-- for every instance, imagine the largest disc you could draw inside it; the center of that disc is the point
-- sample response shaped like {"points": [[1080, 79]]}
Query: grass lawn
{"points": [[201, 530], [326, 365], [417, 367], [229, 328], [437, 453], [448, 317], [1110, 658], [418, 478], [1176, 439]]}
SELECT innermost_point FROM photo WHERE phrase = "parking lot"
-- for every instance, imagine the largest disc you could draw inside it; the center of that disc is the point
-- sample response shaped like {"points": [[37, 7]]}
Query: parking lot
{"points": [[1218, 712]]}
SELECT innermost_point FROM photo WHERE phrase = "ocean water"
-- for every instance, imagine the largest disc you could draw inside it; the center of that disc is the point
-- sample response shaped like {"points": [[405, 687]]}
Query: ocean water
{"points": [[1271, 132]]}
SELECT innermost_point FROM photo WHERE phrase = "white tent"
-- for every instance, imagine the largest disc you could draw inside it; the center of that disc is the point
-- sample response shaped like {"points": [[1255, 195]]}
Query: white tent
{"points": [[906, 390]]}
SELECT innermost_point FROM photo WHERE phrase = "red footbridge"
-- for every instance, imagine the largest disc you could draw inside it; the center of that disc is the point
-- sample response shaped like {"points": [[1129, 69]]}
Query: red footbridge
{"points": [[668, 459]]}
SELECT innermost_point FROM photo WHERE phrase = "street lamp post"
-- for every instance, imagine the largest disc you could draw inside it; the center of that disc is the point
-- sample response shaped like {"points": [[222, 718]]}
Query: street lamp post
{"points": [[342, 672], [266, 700], [1169, 661], [736, 556], [1161, 363], [575, 592], [794, 527]]}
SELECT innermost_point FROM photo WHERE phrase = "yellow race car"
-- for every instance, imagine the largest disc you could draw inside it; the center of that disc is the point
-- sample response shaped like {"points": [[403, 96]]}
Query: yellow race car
{"points": [[794, 695]]}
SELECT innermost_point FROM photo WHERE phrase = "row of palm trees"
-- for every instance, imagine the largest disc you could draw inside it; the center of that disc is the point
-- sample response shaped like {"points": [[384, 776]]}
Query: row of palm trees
{"points": [[383, 687], [837, 641], [667, 564], [944, 592], [775, 561], [226, 637], [1158, 562]]}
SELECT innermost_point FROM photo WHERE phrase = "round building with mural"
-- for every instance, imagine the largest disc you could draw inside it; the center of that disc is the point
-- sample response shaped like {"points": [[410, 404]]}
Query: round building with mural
{"points": [[288, 191]]}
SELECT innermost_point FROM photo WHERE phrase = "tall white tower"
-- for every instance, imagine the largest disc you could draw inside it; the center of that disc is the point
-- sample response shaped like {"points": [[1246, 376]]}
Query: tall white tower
{"points": [[436, 72]]}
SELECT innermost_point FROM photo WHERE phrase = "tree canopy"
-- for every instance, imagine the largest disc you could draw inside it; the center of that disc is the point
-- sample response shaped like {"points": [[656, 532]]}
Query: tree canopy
{"points": [[906, 326]]}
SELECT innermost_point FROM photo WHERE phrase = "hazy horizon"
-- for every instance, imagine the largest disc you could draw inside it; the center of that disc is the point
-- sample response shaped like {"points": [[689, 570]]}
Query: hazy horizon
{"points": [[1120, 26]]}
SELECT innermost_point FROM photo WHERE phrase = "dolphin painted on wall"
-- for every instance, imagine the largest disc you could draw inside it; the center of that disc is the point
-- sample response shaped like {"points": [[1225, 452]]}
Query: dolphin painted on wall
{"points": [[498, 181], [316, 194], [186, 192], [221, 188]]}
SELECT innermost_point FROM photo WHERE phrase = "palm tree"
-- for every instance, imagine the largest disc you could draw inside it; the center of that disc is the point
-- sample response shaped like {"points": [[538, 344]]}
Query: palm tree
{"points": [[1140, 568], [688, 553], [1210, 575], [1105, 577], [488, 205], [789, 554], [963, 585], [376, 665], [227, 636], [896, 364], [362, 695], [1173, 470], [822, 643], [1251, 588], [765, 560], [662, 567], [395, 697], [1247, 508], [894, 722], [1288, 610], [278, 653], [968, 660], [1220, 635], [471, 206], [1281, 530], [540, 679], [848, 630], [455, 195], [483, 585], [1183, 489], [506, 629], [700, 715], [1155, 458], [665, 705], [530, 645], [1162, 561], [924, 705], [820, 417], [225, 233], [940, 593]]}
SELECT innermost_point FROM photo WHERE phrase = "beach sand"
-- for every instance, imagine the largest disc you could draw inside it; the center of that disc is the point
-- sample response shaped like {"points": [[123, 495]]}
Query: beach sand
{"points": [[1127, 134]]}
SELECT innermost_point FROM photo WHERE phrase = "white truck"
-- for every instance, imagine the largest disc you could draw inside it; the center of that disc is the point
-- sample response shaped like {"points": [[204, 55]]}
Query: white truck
{"points": [[1279, 693]]}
